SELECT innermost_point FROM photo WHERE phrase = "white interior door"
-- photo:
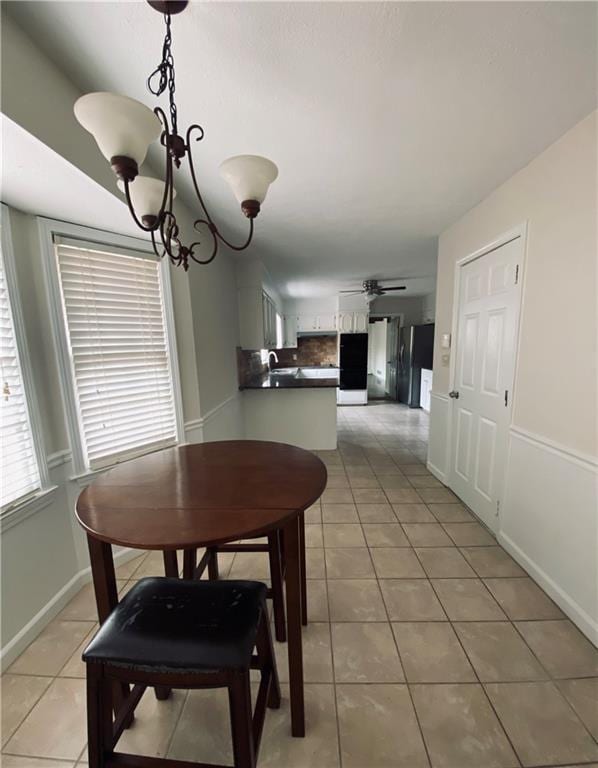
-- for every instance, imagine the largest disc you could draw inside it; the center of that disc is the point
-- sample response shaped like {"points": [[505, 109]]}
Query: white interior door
{"points": [[488, 320]]}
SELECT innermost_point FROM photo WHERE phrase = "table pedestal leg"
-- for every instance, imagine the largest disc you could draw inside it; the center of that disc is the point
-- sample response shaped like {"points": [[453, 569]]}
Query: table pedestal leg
{"points": [[294, 640], [303, 569], [104, 585]]}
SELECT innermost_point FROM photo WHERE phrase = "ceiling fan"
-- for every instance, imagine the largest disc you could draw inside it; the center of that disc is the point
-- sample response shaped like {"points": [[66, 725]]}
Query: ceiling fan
{"points": [[371, 290]]}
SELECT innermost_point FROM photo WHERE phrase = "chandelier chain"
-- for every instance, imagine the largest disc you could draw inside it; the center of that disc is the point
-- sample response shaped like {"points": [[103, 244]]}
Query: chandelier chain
{"points": [[165, 70]]}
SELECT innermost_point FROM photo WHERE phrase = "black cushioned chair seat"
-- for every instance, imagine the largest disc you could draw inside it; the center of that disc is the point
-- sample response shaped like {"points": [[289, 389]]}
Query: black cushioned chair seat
{"points": [[173, 625]]}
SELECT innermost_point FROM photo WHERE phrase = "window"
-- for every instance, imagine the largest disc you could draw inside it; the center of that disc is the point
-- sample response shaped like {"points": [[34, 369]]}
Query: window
{"points": [[23, 463], [120, 362]]}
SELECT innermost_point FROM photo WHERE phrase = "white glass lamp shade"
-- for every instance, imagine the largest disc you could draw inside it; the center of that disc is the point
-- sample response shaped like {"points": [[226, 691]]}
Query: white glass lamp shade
{"points": [[120, 125], [249, 176], [146, 195]]}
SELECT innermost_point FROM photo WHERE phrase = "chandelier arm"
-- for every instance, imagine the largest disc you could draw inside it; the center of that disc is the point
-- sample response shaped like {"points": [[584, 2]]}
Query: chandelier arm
{"points": [[237, 247], [214, 240]]}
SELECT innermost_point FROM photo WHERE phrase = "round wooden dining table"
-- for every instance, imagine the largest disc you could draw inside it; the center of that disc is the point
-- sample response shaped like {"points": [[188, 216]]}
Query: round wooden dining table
{"points": [[203, 495]]}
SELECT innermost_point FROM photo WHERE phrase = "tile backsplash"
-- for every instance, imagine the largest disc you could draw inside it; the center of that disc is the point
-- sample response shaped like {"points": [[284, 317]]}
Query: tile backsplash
{"points": [[311, 350]]}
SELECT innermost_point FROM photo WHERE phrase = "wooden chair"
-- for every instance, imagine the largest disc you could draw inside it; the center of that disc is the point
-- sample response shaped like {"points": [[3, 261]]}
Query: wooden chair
{"points": [[174, 633]]}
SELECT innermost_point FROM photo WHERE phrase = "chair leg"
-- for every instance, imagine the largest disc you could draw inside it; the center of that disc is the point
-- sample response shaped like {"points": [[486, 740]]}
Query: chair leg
{"points": [[274, 553], [189, 563], [267, 660], [99, 717], [303, 566], [239, 697], [213, 573]]}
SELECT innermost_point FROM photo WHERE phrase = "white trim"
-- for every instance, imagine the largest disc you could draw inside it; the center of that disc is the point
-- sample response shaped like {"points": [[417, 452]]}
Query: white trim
{"points": [[438, 472], [564, 600], [585, 460], [515, 233], [203, 420], [57, 459], [31, 402], [43, 617], [27, 507], [46, 229]]}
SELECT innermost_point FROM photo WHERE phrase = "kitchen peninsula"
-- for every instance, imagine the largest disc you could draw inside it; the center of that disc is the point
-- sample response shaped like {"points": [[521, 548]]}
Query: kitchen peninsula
{"points": [[289, 405]]}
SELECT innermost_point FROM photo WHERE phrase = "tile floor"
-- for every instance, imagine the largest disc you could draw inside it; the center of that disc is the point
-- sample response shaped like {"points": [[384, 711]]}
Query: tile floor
{"points": [[427, 645]]}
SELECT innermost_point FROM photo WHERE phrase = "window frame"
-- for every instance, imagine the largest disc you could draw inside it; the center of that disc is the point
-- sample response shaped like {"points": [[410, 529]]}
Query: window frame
{"points": [[38, 498], [47, 228]]}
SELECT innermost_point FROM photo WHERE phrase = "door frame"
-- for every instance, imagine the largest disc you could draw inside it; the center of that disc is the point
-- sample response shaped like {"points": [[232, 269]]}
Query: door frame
{"points": [[520, 231]]}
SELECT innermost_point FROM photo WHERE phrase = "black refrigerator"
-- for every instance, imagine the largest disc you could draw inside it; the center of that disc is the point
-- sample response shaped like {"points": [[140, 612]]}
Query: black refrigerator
{"points": [[354, 361], [416, 351]]}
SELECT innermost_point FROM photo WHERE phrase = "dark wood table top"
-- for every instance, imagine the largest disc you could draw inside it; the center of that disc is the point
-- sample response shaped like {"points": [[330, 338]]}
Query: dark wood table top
{"points": [[201, 495]]}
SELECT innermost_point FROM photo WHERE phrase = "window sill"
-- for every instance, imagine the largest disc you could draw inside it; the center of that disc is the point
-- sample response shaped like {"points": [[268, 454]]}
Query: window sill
{"points": [[25, 509]]}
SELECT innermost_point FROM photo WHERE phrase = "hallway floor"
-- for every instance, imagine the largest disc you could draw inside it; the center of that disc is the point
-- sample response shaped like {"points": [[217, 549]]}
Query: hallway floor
{"points": [[427, 644]]}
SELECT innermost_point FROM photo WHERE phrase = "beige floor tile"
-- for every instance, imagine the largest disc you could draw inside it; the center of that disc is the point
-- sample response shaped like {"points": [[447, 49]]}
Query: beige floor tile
{"points": [[337, 496], [403, 496], [337, 481], [313, 536], [203, 730], [319, 748], [425, 481], [393, 482], [451, 513], [75, 666], [251, 565], [152, 565], [444, 563], [460, 728], [523, 599], [355, 600], [561, 648], [416, 469], [339, 513], [349, 563], [540, 724], [126, 570], [314, 564], [489, 562], [413, 513], [396, 563], [385, 535], [317, 600], [369, 496], [361, 481], [378, 728], [388, 469], [498, 653], [467, 600], [14, 761], [469, 534], [431, 653], [365, 653], [583, 697], [19, 694], [376, 513], [51, 649], [426, 535], [411, 600], [83, 605], [438, 496], [56, 726], [154, 725], [317, 658], [343, 535], [313, 514]]}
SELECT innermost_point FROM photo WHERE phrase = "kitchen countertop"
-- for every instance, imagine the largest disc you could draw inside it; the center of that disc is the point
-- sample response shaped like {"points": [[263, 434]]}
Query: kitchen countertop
{"points": [[289, 382]]}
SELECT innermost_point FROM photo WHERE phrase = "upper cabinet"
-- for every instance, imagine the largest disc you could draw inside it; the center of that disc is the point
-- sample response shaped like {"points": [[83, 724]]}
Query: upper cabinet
{"points": [[257, 319], [320, 322], [353, 322]]}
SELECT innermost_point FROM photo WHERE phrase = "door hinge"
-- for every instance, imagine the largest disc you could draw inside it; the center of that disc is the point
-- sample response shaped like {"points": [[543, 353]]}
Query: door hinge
{"points": [[506, 397], [497, 507], [516, 274]]}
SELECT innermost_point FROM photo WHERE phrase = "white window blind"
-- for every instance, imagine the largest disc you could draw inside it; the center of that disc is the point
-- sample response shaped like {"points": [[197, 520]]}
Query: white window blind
{"points": [[20, 473], [117, 333]]}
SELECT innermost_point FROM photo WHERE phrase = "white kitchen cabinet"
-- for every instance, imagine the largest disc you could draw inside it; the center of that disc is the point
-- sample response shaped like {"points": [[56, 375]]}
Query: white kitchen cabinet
{"points": [[257, 319], [269, 321], [290, 331], [306, 323], [327, 322], [353, 322]]}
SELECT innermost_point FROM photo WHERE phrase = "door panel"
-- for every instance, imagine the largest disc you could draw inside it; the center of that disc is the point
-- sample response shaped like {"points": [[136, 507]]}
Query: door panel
{"points": [[488, 317], [392, 350]]}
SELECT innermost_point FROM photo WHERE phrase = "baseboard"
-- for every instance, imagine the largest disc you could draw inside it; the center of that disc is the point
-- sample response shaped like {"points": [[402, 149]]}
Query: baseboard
{"points": [[15, 647], [565, 602], [438, 474]]}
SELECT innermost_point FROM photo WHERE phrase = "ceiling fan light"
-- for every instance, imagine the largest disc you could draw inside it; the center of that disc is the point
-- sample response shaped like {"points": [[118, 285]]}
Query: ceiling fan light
{"points": [[146, 195], [122, 127], [249, 176]]}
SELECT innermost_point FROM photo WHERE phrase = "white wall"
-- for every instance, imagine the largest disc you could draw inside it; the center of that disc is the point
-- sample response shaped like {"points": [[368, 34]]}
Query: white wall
{"points": [[408, 306], [549, 517]]}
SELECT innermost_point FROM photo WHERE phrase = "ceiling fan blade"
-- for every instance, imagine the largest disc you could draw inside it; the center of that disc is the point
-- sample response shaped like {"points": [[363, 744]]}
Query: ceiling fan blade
{"points": [[393, 288], [353, 292]]}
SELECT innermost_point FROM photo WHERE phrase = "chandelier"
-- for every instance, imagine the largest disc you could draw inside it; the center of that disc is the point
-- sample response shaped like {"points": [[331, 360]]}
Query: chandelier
{"points": [[124, 128]]}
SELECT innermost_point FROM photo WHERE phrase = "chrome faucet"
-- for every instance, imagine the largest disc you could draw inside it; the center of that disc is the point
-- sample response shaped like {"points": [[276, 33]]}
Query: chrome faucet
{"points": [[271, 352]]}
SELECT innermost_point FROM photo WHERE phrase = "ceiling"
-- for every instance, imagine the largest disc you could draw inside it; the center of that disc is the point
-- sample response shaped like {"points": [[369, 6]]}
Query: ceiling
{"points": [[388, 121]]}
